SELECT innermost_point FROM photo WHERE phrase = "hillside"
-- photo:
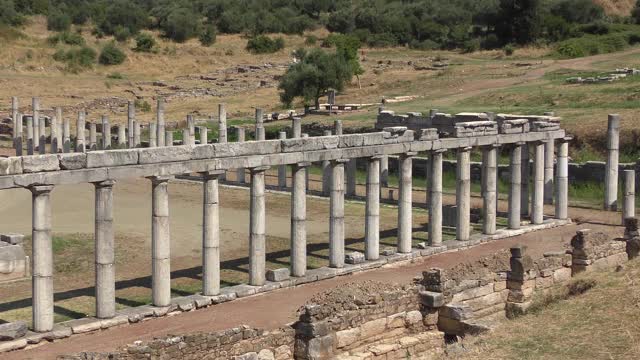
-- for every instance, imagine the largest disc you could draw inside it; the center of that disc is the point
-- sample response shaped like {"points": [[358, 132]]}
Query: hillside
{"points": [[616, 7]]}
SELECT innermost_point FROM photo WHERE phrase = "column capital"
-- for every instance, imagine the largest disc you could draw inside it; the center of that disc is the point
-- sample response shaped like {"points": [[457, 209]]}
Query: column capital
{"points": [[492, 146], [104, 183], [212, 174], [565, 139], [438, 151], [340, 161], [376, 157], [258, 169], [465, 148], [40, 189], [303, 164], [160, 179], [408, 154]]}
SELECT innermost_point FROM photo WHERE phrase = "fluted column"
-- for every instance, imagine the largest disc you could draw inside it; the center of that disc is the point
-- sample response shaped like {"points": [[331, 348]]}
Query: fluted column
{"points": [[405, 218], [463, 194], [298, 219], [104, 250], [515, 171], [549, 150], [222, 124], [42, 258], [160, 242], [489, 189], [537, 207], [161, 136], [257, 228], [611, 171], [336, 216], [210, 234], [372, 210], [435, 198], [562, 180]]}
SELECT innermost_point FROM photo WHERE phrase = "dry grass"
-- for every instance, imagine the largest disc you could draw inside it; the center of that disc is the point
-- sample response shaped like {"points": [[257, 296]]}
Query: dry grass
{"points": [[601, 323], [616, 7]]}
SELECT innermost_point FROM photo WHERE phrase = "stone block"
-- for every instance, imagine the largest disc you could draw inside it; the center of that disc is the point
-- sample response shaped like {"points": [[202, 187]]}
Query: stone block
{"points": [[205, 151], [388, 251], [413, 317], [563, 274], [12, 238], [11, 165], [347, 337], [40, 163], [84, 325], [473, 293], [313, 329], [266, 354], [72, 161], [247, 148], [431, 299], [12, 345], [137, 314], [13, 262], [485, 301], [110, 158], [373, 328], [114, 321], [310, 144], [396, 320], [456, 311], [247, 356], [225, 295], [13, 330], [182, 304], [244, 290], [278, 274], [354, 258], [165, 154]]}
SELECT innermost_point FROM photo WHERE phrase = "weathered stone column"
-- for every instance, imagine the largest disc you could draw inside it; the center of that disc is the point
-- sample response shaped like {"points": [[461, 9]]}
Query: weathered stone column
{"points": [[282, 169], [260, 135], [525, 170], [337, 127], [14, 120], [122, 136], [435, 198], [562, 180], [257, 230], [298, 219], [160, 242], [489, 189], [35, 107], [42, 134], [351, 177], [186, 137], [240, 172], [19, 135], [405, 205], [204, 135], [306, 174], [104, 250], [222, 124], [66, 136], [30, 142], [42, 258], [296, 127], [153, 133], [191, 125], [611, 172], [372, 210], [326, 172], [384, 170], [629, 204], [80, 127], [161, 125], [168, 138], [463, 194], [336, 216], [211, 235], [515, 172], [549, 150], [93, 137], [56, 133], [537, 207], [106, 133], [131, 117]]}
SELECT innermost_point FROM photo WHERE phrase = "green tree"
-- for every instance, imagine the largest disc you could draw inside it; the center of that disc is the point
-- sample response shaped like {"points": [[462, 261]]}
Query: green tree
{"points": [[208, 35], [58, 21], [347, 47], [519, 21], [123, 13], [263, 44], [180, 25], [8, 13], [313, 75], [111, 55], [145, 42], [635, 13]]}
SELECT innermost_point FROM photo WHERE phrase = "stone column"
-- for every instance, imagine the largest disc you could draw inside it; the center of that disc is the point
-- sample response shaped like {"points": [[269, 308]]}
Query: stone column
{"points": [[435, 198], [549, 150], [337, 127], [160, 120], [42, 259], [30, 142], [489, 189], [257, 230], [14, 120], [168, 138], [298, 219], [106, 133], [326, 172], [122, 136], [306, 174], [131, 117], [153, 135], [463, 194], [104, 250], [204, 135], [35, 106], [54, 135], [405, 218], [282, 169], [260, 135], [537, 206], [240, 173], [336, 217], [186, 137], [59, 140], [525, 206], [19, 135], [80, 132], [515, 188], [611, 171], [137, 132], [351, 177], [211, 235], [93, 137], [384, 170], [160, 242], [562, 180], [66, 136], [296, 127], [222, 123], [372, 210], [191, 125], [42, 133], [629, 204]]}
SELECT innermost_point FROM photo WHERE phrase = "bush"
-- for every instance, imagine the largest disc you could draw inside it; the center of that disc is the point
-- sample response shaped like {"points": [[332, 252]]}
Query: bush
{"points": [[262, 44], [66, 37], [58, 21], [311, 40], [508, 50], [9, 15], [143, 105], [424, 45], [381, 40], [145, 42], [77, 58], [470, 46], [180, 25], [596, 28], [111, 55], [121, 34], [208, 36]]}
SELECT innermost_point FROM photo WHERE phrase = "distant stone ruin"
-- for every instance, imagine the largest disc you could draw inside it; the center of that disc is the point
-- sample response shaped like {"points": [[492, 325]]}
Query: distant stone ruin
{"points": [[617, 74]]}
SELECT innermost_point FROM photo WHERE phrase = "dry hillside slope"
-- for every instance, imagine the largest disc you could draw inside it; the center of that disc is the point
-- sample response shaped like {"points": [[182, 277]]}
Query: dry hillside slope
{"points": [[616, 7]]}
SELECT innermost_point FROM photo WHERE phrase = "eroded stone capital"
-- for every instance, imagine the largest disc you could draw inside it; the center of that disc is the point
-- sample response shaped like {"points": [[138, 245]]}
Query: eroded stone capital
{"points": [[104, 183], [40, 189]]}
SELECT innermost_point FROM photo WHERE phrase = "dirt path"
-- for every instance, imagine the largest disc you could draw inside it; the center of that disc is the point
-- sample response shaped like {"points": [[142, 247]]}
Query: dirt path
{"points": [[277, 308]]}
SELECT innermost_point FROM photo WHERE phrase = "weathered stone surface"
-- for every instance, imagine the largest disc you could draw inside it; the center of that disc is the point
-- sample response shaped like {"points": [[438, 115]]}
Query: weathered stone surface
{"points": [[10, 165], [431, 299], [247, 148], [165, 154], [12, 238], [13, 330], [12, 345], [396, 320], [38, 163], [72, 161], [266, 354], [247, 356], [204, 151], [373, 328], [278, 274], [457, 311], [112, 158], [347, 337], [563, 274], [413, 317], [84, 325], [354, 257], [473, 293], [310, 144]]}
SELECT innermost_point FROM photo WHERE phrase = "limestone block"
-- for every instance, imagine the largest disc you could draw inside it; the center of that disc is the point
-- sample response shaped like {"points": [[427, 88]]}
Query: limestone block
{"points": [[39, 163], [112, 158], [13, 330], [137, 314], [11, 165], [310, 144], [373, 328], [563, 274], [313, 329], [205, 151], [413, 317], [12, 345], [165, 154], [182, 304], [266, 354], [354, 257], [473, 293], [485, 301], [247, 356], [84, 325], [456, 311], [114, 321], [13, 262], [278, 274], [247, 148], [544, 282], [72, 161], [388, 251], [396, 320], [347, 337], [12, 238], [431, 299], [428, 134]]}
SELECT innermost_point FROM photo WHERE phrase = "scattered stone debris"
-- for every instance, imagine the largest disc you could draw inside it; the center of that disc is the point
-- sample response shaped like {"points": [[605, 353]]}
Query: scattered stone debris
{"points": [[616, 75]]}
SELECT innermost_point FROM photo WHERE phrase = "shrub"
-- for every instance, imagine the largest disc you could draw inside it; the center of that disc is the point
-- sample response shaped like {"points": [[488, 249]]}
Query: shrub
{"points": [[596, 28], [145, 42], [121, 34], [424, 45], [311, 40], [115, 76], [66, 37], [77, 58], [143, 105], [111, 55], [262, 44], [58, 21], [470, 46], [180, 25], [381, 40], [508, 50], [208, 35]]}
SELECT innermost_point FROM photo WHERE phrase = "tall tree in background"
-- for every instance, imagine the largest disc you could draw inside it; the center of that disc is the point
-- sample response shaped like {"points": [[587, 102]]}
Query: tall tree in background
{"points": [[635, 13], [519, 21]]}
